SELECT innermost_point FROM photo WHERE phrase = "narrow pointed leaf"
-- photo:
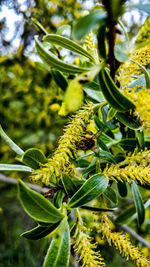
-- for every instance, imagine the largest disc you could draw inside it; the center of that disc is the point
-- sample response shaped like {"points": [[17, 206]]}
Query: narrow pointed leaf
{"points": [[97, 209], [69, 185], [122, 189], [101, 40], [59, 251], [13, 167], [125, 216], [87, 23], [10, 143], [59, 79], [40, 231], [129, 120], [68, 44], [93, 187], [51, 60], [107, 156], [32, 157], [138, 203], [38, 207], [58, 198], [129, 214], [112, 94], [111, 195]]}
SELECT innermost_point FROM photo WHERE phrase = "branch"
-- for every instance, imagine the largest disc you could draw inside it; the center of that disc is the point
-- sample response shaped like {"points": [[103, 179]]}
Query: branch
{"points": [[13, 181], [131, 232], [135, 235]]}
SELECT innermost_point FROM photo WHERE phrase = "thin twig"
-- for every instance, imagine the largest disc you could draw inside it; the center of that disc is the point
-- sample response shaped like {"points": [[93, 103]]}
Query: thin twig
{"points": [[131, 232], [13, 181], [135, 235]]}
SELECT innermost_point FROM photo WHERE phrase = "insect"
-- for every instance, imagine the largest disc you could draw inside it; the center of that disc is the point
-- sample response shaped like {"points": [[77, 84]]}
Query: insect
{"points": [[88, 141]]}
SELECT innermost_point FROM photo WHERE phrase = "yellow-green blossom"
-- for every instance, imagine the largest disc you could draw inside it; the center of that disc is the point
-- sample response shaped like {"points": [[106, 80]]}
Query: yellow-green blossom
{"points": [[122, 243], [60, 162], [89, 45], [141, 99], [135, 167], [144, 33], [130, 69], [86, 249]]}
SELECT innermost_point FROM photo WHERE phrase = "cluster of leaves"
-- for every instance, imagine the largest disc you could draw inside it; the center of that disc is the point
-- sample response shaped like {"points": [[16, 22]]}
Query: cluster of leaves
{"points": [[87, 166]]}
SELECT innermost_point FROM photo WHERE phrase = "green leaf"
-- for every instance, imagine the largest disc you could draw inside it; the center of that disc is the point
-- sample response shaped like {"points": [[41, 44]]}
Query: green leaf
{"points": [[102, 145], [40, 231], [140, 136], [129, 214], [10, 143], [59, 79], [32, 157], [129, 120], [107, 156], [59, 251], [112, 94], [97, 209], [69, 185], [138, 203], [128, 144], [38, 24], [111, 195], [101, 40], [93, 187], [13, 167], [87, 23], [38, 207], [122, 188], [58, 199], [42, 66], [51, 60], [143, 7], [121, 52], [125, 215], [111, 114], [90, 168], [92, 90], [68, 44]]}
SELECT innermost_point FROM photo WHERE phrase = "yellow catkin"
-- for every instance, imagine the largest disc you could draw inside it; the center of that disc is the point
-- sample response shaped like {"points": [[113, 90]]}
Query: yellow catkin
{"points": [[60, 162], [89, 45], [86, 249], [122, 243], [144, 33], [136, 167], [130, 69], [141, 99]]}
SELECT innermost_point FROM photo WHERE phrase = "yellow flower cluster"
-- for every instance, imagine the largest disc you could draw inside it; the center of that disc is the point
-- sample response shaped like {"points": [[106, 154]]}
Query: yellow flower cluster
{"points": [[130, 69], [60, 162], [144, 33], [141, 99], [135, 167], [89, 45], [86, 249], [122, 243]]}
